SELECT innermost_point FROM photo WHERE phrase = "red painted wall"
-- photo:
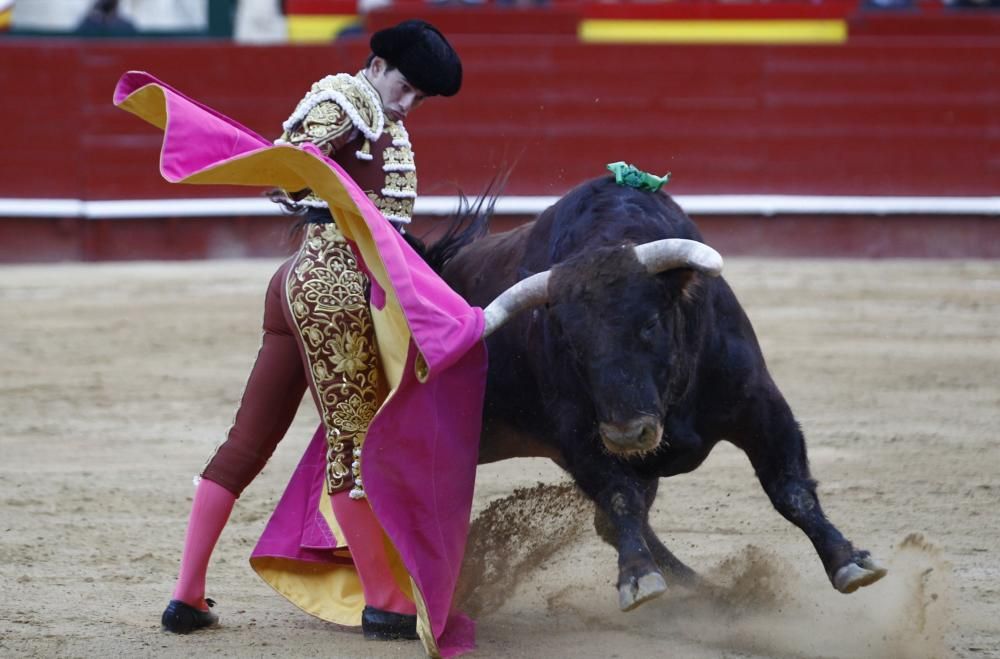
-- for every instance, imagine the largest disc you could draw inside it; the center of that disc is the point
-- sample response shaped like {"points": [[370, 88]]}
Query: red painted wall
{"points": [[885, 114], [876, 116]]}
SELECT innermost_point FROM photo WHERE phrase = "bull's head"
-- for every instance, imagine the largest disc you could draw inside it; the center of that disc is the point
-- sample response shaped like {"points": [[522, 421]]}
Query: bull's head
{"points": [[617, 315]]}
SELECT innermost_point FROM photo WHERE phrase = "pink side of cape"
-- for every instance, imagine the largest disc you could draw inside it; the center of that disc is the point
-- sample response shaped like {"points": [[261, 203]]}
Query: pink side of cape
{"points": [[421, 450]]}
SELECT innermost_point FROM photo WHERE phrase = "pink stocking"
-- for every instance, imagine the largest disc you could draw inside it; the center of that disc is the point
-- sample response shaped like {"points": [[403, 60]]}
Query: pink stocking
{"points": [[209, 514], [366, 540]]}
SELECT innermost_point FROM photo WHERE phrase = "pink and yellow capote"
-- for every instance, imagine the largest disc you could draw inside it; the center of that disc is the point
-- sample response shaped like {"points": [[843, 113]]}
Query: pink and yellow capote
{"points": [[419, 456]]}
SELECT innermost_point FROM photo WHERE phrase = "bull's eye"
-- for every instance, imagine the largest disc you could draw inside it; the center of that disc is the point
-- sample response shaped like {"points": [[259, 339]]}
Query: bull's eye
{"points": [[649, 328]]}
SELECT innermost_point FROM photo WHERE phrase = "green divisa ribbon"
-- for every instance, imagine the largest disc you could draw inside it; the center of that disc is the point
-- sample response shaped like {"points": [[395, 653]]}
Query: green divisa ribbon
{"points": [[634, 177]]}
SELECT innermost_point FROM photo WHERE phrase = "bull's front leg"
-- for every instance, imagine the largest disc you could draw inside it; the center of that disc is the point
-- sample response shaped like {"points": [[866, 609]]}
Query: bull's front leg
{"points": [[670, 565], [620, 499], [776, 448], [665, 558]]}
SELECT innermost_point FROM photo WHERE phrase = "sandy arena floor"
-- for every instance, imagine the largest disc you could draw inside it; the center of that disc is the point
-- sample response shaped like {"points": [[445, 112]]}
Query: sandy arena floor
{"points": [[119, 379]]}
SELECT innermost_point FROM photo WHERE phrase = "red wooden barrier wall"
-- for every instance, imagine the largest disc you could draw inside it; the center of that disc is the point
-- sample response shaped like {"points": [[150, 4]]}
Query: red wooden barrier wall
{"points": [[877, 116], [868, 118]]}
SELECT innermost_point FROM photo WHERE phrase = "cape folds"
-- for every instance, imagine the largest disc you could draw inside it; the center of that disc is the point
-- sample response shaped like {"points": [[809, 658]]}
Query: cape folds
{"points": [[421, 449]]}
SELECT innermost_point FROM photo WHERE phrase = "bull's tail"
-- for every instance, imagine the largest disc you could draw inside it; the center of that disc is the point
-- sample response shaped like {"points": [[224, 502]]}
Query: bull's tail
{"points": [[469, 223]]}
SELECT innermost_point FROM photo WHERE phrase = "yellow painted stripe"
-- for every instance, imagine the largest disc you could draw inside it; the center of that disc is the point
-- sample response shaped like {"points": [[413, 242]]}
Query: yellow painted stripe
{"points": [[781, 31], [305, 28]]}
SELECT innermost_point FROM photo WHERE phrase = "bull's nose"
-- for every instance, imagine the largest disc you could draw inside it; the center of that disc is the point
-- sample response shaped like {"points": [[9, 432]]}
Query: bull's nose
{"points": [[642, 433]]}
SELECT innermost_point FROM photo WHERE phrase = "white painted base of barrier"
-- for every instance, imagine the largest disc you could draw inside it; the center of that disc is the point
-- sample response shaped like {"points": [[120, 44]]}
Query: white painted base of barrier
{"points": [[512, 205]]}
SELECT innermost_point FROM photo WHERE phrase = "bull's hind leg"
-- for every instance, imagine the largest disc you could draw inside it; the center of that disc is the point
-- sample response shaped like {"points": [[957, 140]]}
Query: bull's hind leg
{"points": [[621, 519], [777, 451], [669, 563]]}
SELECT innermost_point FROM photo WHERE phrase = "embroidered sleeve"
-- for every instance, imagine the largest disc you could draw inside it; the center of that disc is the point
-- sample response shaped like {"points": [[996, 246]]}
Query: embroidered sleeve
{"points": [[327, 125], [334, 111]]}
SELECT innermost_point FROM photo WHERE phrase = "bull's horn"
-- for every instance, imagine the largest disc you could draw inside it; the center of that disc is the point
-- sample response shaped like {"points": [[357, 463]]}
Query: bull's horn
{"points": [[669, 253], [526, 293], [657, 256]]}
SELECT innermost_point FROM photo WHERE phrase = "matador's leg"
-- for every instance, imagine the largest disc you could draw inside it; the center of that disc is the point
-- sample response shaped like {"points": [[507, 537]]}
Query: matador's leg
{"points": [[270, 400], [326, 303], [269, 403], [367, 542], [326, 300]]}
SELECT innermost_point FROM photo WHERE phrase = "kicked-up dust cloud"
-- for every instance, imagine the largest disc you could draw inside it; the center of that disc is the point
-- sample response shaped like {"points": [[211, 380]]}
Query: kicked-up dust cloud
{"points": [[752, 603]]}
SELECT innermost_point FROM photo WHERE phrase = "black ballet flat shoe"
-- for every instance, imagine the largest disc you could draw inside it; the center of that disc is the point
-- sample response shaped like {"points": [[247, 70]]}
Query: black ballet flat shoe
{"points": [[379, 625], [181, 618]]}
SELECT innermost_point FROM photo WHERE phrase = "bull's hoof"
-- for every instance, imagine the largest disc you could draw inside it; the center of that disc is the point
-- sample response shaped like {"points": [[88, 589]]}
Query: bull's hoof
{"points": [[634, 592], [863, 571]]}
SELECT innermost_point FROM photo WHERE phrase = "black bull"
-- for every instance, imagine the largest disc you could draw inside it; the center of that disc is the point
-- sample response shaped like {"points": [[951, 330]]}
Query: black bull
{"points": [[625, 377]]}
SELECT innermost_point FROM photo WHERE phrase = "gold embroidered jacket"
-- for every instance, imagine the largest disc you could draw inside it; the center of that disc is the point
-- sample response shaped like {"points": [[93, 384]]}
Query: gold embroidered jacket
{"points": [[342, 115]]}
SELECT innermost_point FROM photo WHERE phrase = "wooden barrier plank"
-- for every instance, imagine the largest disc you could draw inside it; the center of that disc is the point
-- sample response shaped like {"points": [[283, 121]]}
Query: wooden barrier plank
{"points": [[954, 22], [484, 19], [913, 236], [880, 118], [40, 112], [34, 240]]}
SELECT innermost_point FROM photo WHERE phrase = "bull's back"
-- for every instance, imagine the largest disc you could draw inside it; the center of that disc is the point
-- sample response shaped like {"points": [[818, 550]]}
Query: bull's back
{"points": [[599, 214], [487, 267]]}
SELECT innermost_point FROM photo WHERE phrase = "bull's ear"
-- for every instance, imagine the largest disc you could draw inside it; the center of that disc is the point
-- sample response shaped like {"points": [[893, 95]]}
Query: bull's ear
{"points": [[684, 284], [691, 290], [691, 283]]}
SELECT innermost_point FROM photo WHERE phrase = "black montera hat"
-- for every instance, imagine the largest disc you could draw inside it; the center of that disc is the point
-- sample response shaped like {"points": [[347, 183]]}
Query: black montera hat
{"points": [[422, 54]]}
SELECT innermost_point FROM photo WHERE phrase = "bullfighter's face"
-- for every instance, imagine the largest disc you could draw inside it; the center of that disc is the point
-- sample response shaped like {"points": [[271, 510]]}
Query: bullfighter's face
{"points": [[398, 96]]}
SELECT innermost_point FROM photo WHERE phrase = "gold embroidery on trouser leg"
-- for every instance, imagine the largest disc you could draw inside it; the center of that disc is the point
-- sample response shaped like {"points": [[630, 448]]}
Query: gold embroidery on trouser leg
{"points": [[326, 295]]}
